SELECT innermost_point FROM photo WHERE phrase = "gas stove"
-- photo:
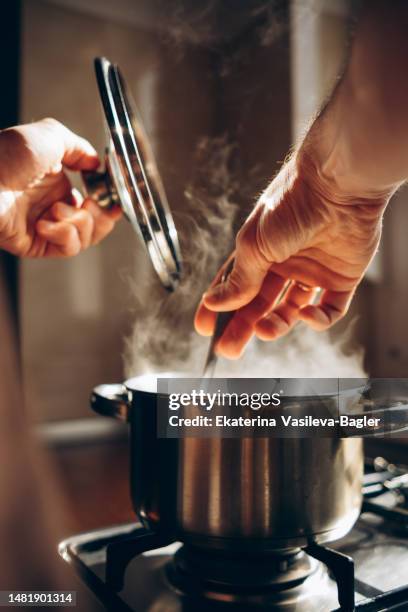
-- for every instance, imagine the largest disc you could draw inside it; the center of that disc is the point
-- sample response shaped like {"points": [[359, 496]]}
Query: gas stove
{"points": [[131, 569]]}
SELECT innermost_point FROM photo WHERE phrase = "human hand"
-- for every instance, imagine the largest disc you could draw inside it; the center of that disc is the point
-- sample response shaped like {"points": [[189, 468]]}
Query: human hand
{"points": [[40, 214], [304, 234]]}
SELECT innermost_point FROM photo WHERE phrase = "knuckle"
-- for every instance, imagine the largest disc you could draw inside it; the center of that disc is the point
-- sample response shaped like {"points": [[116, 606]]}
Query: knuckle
{"points": [[58, 209], [52, 123], [56, 131], [245, 239], [247, 247], [83, 219], [233, 286], [279, 248], [250, 241]]}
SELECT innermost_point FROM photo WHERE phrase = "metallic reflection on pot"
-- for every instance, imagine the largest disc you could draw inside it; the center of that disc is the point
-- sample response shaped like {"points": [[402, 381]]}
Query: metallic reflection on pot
{"points": [[242, 493]]}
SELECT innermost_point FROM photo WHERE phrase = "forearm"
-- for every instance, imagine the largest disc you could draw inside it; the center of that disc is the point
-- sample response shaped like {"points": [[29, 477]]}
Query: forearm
{"points": [[360, 140]]}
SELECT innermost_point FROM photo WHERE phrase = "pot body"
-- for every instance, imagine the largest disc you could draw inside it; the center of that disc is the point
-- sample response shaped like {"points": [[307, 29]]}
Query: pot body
{"points": [[261, 493]]}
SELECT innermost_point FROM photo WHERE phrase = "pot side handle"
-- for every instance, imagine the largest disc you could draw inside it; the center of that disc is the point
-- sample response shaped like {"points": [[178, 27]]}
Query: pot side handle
{"points": [[111, 400]]}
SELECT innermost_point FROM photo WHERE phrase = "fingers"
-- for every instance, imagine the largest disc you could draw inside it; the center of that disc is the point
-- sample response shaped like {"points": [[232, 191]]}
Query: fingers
{"points": [[279, 321], [69, 230], [245, 317], [64, 146], [104, 220], [204, 320], [241, 328], [333, 305], [79, 218], [313, 272], [270, 321], [78, 153], [246, 277], [62, 238]]}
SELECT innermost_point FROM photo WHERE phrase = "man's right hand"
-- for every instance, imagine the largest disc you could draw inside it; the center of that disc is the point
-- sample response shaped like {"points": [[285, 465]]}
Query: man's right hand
{"points": [[319, 222], [303, 235]]}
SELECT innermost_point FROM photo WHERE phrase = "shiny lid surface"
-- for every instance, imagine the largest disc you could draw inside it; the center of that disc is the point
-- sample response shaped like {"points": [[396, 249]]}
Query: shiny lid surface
{"points": [[135, 175]]}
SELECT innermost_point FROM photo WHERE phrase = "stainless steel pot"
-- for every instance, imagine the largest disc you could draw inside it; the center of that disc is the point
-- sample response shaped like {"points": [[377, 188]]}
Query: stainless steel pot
{"points": [[241, 494]]}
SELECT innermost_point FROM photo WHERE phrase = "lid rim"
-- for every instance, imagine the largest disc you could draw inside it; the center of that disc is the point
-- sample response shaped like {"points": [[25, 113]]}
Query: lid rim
{"points": [[152, 216]]}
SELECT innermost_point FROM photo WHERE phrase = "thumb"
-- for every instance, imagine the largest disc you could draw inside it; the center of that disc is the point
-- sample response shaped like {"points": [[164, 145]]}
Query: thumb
{"points": [[72, 150], [247, 275], [79, 154]]}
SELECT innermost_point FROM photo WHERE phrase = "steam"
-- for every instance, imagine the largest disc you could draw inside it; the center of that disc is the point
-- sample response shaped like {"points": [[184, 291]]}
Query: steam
{"points": [[303, 353], [163, 338], [211, 23]]}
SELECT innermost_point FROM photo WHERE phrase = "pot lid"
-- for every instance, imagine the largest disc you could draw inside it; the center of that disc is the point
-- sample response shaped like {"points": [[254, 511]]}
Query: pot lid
{"points": [[135, 175]]}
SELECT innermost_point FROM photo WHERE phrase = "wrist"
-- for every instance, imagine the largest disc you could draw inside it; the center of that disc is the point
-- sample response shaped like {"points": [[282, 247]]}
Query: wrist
{"points": [[340, 161]]}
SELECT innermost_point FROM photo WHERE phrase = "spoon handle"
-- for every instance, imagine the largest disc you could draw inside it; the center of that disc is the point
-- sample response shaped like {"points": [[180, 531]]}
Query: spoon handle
{"points": [[221, 322]]}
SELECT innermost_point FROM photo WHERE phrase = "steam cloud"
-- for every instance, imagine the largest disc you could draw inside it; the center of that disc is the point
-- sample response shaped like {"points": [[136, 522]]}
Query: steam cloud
{"points": [[163, 338]]}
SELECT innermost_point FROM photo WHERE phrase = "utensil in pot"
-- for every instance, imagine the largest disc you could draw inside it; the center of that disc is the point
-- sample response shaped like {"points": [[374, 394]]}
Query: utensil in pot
{"points": [[221, 322], [131, 178]]}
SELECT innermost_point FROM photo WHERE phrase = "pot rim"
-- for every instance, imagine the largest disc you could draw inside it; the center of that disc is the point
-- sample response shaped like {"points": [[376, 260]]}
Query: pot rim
{"points": [[147, 384]]}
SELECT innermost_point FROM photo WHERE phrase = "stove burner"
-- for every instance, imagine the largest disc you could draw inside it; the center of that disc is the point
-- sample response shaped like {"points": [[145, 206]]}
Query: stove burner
{"points": [[269, 578], [246, 578]]}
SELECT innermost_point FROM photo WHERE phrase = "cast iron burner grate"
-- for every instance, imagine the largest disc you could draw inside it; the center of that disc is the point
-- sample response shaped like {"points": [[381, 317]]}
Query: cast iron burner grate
{"points": [[270, 579]]}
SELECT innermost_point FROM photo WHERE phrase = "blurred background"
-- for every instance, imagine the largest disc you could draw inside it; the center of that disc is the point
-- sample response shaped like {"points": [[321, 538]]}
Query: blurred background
{"points": [[252, 73]]}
